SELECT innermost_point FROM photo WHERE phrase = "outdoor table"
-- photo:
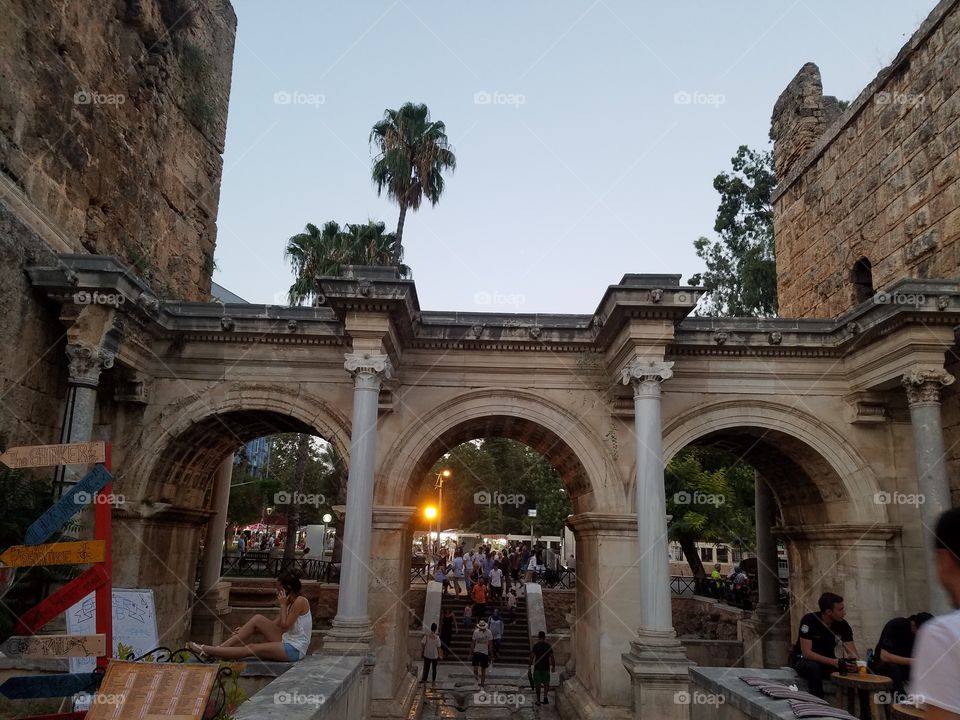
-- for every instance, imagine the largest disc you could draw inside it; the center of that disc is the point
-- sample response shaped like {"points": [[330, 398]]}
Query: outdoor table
{"points": [[904, 712], [871, 684]]}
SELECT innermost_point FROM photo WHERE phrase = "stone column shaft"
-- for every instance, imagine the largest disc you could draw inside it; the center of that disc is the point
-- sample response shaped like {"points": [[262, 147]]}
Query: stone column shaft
{"points": [[352, 623], [85, 365], [216, 527], [768, 577], [923, 395], [655, 608]]}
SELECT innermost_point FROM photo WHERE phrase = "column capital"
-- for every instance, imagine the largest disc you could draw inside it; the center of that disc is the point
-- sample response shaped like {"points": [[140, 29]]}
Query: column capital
{"points": [[86, 363], [646, 374], [368, 369], [924, 385]]}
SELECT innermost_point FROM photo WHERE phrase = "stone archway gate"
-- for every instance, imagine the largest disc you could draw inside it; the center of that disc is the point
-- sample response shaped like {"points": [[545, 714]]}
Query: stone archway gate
{"points": [[822, 408]]}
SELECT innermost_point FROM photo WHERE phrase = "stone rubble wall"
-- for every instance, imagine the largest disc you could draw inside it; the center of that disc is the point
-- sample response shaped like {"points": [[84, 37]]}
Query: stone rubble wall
{"points": [[881, 182]]}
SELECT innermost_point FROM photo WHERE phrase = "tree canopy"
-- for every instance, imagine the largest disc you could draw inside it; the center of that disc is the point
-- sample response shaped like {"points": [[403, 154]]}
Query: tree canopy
{"points": [[741, 274], [412, 153], [492, 484], [710, 496]]}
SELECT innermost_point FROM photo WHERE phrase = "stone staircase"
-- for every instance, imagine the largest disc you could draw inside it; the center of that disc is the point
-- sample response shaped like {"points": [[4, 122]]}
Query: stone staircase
{"points": [[515, 646]]}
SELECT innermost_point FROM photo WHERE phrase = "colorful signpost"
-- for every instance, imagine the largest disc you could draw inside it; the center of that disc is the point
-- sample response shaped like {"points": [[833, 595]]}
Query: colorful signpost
{"points": [[82, 552], [48, 455], [95, 487], [54, 646]]}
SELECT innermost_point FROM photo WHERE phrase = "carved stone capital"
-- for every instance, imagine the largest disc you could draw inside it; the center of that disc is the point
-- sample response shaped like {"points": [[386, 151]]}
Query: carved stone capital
{"points": [[923, 386], [86, 363], [646, 375], [368, 369]]}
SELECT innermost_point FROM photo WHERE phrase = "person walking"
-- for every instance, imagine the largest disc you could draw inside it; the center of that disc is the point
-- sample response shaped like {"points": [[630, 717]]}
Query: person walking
{"points": [[496, 583], [496, 629], [542, 663], [480, 652], [431, 652], [448, 624], [480, 599], [457, 572]]}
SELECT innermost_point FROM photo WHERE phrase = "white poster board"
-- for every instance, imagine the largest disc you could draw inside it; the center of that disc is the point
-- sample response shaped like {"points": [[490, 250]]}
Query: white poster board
{"points": [[134, 624]]}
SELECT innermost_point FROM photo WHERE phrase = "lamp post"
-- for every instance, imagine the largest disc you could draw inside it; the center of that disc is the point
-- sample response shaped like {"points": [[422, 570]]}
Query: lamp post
{"points": [[441, 476]]}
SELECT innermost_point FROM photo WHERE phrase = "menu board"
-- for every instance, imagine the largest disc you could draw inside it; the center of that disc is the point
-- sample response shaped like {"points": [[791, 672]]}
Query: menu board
{"points": [[150, 691]]}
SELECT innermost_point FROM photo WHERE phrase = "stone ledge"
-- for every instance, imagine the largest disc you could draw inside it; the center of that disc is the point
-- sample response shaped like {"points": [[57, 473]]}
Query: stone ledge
{"points": [[749, 701], [310, 689]]}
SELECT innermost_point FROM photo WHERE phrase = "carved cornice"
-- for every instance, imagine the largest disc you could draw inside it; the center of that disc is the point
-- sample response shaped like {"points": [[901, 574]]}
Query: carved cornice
{"points": [[86, 362], [598, 523], [924, 386]]}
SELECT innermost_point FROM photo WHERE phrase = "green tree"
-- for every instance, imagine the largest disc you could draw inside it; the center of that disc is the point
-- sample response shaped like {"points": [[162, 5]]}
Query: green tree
{"points": [[412, 153], [498, 468], [741, 274], [322, 252], [710, 498]]}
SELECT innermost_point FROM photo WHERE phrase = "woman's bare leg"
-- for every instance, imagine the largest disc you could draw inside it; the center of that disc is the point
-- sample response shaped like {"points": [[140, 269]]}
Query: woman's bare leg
{"points": [[258, 623], [263, 651]]}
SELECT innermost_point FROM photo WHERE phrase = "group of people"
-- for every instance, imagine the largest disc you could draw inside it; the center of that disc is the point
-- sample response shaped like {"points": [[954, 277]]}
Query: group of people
{"points": [[734, 589], [247, 541], [920, 652], [484, 641], [497, 569]]}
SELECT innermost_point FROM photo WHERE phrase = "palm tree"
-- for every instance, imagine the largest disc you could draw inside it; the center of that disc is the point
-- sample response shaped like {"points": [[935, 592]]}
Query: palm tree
{"points": [[317, 253], [412, 153]]}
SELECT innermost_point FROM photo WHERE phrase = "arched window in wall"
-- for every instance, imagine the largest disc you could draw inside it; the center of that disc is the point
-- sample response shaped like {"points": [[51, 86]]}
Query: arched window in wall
{"points": [[862, 278]]}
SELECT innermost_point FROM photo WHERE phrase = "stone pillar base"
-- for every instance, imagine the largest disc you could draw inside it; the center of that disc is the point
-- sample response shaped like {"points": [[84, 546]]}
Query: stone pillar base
{"points": [[348, 638], [658, 668], [207, 625], [399, 706], [574, 701], [766, 638]]}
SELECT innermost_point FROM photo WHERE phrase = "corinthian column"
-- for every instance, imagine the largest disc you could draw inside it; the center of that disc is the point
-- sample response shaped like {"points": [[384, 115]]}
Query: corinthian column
{"points": [[86, 362], [351, 629], [655, 612], [923, 395], [656, 661]]}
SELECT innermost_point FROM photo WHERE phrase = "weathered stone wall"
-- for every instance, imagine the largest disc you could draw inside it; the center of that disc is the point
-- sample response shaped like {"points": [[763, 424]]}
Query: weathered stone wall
{"points": [[880, 182], [112, 123]]}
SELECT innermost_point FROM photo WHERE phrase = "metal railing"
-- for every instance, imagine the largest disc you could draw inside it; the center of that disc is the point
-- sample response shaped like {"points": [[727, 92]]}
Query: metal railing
{"points": [[261, 564]]}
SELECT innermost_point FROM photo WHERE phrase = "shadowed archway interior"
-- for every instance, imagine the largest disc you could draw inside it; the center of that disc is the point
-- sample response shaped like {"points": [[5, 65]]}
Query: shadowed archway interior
{"points": [[189, 461], [802, 481]]}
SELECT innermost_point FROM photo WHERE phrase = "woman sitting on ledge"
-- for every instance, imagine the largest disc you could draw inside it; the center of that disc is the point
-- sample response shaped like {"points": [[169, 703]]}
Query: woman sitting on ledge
{"points": [[287, 637]]}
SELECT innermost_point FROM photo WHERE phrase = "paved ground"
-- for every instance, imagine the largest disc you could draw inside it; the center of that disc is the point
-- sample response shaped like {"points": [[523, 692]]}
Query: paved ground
{"points": [[456, 695]]}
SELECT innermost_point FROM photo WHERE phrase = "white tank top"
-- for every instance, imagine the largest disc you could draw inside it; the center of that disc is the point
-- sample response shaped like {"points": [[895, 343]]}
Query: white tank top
{"points": [[299, 635]]}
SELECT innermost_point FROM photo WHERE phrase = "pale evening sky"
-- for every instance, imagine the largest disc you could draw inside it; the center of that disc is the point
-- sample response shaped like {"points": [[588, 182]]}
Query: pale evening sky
{"points": [[587, 133]]}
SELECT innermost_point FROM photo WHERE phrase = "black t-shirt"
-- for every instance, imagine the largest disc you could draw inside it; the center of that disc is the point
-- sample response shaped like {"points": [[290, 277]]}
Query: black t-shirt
{"points": [[824, 638], [542, 652], [896, 638]]}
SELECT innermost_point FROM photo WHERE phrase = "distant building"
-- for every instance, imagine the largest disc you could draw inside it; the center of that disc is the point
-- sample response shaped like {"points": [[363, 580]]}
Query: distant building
{"points": [[257, 455]]}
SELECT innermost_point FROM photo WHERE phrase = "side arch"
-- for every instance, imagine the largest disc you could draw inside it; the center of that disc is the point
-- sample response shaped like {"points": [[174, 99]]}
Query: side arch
{"points": [[180, 450], [806, 460], [579, 455]]}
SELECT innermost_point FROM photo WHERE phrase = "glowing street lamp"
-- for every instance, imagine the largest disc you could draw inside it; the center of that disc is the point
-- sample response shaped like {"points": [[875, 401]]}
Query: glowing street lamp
{"points": [[430, 512]]}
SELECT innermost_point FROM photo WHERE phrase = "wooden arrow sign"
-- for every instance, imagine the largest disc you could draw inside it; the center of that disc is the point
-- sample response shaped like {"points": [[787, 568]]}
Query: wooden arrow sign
{"points": [[55, 646], [58, 602], [48, 686], [46, 455], [82, 552], [72, 501]]}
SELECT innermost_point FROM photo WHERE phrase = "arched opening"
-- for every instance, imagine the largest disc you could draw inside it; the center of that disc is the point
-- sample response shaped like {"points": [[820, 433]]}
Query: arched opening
{"points": [[825, 515], [178, 520], [862, 278]]}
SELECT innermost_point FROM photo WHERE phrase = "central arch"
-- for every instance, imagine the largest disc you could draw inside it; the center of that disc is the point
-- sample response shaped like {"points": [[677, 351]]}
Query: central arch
{"points": [[577, 453]]}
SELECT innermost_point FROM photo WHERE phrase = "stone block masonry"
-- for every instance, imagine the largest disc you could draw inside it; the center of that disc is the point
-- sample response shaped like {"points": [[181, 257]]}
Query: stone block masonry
{"points": [[112, 124], [880, 181]]}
